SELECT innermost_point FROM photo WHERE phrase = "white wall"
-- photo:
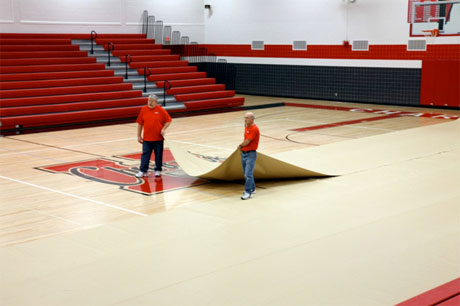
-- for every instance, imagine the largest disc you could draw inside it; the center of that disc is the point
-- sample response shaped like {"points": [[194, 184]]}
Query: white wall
{"points": [[316, 21], [104, 16], [228, 21]]}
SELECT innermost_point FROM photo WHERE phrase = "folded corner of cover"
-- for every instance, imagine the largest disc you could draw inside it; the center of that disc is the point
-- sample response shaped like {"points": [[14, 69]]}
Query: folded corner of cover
{"points": [[266, 167]]}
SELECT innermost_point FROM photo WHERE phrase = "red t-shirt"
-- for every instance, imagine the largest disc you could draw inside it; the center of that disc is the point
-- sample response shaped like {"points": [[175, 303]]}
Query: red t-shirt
{"points": [[153, 120], [252, 133]]}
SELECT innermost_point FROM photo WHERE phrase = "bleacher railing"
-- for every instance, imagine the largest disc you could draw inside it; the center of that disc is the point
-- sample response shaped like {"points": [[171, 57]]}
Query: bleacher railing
{"points": [[146, 74], [128, 60], [110, 47], [93, 37], [169, 86]]}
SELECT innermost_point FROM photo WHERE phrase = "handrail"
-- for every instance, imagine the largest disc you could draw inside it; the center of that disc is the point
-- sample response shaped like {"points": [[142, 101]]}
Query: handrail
{"points": [[110, 47], [164, 90], [92, 38], [128, 59], [146, 74]]}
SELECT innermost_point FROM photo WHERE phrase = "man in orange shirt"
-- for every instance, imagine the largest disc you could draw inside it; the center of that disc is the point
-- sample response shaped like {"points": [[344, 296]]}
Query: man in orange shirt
{"points": [[154, 120], [249, 154]]}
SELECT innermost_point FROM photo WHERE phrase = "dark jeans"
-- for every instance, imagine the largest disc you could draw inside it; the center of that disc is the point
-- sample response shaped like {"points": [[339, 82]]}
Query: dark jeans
{"points": [[248, 160], [147, 148]]}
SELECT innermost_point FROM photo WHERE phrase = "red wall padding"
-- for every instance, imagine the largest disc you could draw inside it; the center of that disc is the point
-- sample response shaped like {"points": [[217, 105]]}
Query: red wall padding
{"points": [[440, 83]]}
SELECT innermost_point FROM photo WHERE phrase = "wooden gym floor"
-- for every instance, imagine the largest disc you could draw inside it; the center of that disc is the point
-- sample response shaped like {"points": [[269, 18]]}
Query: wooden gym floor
{"points": [[77, 228]]}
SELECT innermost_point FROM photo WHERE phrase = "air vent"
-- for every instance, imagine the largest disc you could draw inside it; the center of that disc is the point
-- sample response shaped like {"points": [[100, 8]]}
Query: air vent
{"points": [[416, 45], [257, 45], [360, 45], [299, 45]]}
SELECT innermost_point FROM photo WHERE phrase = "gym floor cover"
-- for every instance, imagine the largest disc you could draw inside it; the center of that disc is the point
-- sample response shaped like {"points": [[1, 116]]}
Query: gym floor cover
{"points": [[368, 236]]}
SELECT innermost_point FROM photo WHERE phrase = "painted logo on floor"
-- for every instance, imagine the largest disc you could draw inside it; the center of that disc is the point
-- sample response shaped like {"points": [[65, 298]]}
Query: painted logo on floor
{"points": [[122, 172]]}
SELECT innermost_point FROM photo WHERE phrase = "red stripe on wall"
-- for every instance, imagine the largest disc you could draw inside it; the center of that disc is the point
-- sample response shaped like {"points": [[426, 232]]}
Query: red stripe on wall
{"points": [[388, 52]]}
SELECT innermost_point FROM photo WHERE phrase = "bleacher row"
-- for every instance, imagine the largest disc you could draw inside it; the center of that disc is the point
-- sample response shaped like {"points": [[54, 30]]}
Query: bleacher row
{"points": [[48, 82]]}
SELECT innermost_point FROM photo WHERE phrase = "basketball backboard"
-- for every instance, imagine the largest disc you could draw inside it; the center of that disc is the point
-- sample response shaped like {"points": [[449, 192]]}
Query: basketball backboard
{"points": [[440, 15]]}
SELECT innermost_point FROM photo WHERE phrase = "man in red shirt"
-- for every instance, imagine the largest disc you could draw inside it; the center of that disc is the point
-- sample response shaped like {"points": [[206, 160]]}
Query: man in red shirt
{"points": [[249, 154], [154, 120]]}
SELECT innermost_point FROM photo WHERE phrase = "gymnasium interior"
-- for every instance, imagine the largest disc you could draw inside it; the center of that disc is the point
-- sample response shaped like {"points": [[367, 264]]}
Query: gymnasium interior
{"points": [[357, 177]]}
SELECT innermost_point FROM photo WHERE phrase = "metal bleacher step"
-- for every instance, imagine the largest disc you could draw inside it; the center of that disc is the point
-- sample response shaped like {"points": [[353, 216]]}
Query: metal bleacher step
{"points": [[120, 72], [150, 86], [119, 67], [95, 48], [173, 105], [96, 52], [134, 79], [81, 41], [104, 59], [162, 100]]}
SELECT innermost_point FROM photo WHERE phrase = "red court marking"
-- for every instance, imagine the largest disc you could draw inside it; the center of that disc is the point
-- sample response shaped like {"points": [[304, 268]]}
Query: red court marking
{"points": [[388, 114], [330, 125], [377, 111], [446, 294], [117, 173]]}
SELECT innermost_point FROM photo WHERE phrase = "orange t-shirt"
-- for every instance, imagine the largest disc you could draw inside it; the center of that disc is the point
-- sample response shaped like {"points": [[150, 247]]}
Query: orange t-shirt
{"points": [[153, 120], [252, 133]]}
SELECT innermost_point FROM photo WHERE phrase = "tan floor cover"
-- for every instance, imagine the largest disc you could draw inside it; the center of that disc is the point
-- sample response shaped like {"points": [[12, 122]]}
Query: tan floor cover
{"points": [[266, 167], [329, 160], [384, 232]]}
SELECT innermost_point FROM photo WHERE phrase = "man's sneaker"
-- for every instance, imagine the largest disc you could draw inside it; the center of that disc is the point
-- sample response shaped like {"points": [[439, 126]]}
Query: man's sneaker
{"points": [[141, 174], [253, 192], [245, 196], [157, 173]]}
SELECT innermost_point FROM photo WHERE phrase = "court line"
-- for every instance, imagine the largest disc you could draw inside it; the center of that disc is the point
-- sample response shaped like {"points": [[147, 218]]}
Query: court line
{"points": [[55, 147], [353, 127], [74, 196], [336, 124], [376, 111], [99, 142], [203, 145], [222, 127], [28, 153]]}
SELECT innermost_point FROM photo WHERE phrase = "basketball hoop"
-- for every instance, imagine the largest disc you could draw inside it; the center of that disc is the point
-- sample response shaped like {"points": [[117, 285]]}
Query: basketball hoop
{"points": [[430, 35]]}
